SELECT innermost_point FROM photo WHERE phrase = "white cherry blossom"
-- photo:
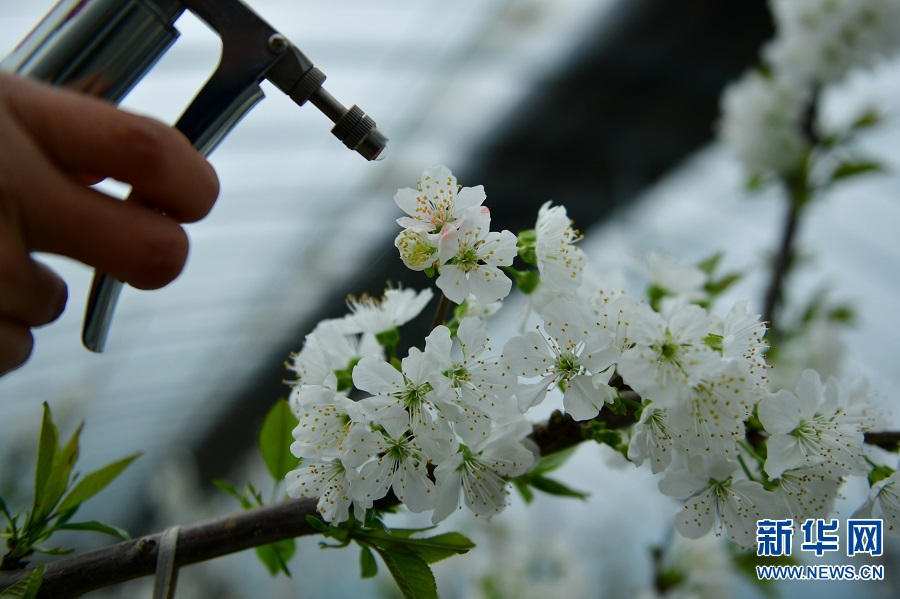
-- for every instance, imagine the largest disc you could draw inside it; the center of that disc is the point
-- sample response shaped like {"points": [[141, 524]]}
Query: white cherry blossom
{"points": [[569, 349], [398, 463], [650, 439], [559, 260], [762, 120], [811, 428], [669, 356], [820, 40], [714, 498], [884, 503], [479, 473], [437, 201], [470, 372], [325, 420], [330, 483], [470, 257], [378, 315]]}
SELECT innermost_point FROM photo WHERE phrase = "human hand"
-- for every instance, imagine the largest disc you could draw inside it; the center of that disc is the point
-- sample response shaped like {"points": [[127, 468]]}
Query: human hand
{"points": [[54, 143]]}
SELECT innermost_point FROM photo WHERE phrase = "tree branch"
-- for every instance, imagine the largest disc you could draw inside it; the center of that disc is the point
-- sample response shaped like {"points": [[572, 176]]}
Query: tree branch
{"points": [[781, 267]]}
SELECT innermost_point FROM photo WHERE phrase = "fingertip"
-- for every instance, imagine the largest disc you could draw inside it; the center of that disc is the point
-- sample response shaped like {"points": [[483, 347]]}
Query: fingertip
{"points": [[159, 258], [16, 345]]}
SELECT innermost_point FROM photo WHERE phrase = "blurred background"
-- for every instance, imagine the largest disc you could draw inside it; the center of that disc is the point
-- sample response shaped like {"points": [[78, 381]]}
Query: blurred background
{"points": [[608, 107]]}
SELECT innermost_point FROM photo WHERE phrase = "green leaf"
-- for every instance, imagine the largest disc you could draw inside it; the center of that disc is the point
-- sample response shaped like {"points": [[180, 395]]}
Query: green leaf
{"points": [[655, 294], [554, 487], [403, 533], [388, 339], [431, 549], [55, 551], [521, 484], [316, 523], [869, 118], [46, 453], [878, 473], [107, 529], [551, 462], [367, 564], [714, 341], [845, 170], [228, 488], [411, 573], [275, 440], [58, 481], [720, 285], [94, 482], [5, 511], [710, 264], [275, 556], [755, 183], [26, 588], [599, 433]]}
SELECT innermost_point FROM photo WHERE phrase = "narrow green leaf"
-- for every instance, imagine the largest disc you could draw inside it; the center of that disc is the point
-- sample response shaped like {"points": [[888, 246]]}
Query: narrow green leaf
{"points": [[551, 462], [710, 264], [554, 487], [5, 510], [316, 523], [227, 488], [46, 453], [107, 529], [367, 564], [411, 573], [722, 284], [521, 484], [55, 551], [26, 588], [275, 556], [94, 482], [403, 533], [869, 118], [58, 481], [275, 440], [846, 170], [430, 549]]}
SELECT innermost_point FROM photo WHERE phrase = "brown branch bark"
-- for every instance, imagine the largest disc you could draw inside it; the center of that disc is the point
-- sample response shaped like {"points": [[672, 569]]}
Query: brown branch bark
{"points": [[781, 267]]}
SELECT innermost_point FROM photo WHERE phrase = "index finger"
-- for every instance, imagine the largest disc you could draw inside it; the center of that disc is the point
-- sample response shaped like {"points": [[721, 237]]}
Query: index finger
{"points": [[81, 133]]}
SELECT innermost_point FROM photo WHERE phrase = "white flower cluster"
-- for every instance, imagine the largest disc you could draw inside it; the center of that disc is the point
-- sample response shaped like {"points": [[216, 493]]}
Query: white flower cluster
{"points": [[449, 230], [441, 427], [816, 43], [446, 426], [820, 40], [762, 122]]}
